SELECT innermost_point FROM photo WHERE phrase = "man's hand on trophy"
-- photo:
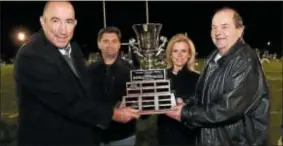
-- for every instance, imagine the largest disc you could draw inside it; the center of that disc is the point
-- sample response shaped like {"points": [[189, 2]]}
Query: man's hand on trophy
{"points": [[125, 114], [180, 101], [175, 113]]}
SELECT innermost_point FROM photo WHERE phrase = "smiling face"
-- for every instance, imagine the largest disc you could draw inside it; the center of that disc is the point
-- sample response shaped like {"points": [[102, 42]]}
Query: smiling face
{"points": [[180, 53], [58, 23], [224, 33], [109, 44]]}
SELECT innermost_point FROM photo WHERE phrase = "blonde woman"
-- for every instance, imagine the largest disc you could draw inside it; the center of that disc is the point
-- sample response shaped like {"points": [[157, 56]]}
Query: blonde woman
{"points": [[180, 57]]}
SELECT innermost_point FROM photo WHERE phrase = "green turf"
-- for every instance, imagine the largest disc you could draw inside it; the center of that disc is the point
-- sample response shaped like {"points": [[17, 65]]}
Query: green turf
{"points": [[273, 72]]}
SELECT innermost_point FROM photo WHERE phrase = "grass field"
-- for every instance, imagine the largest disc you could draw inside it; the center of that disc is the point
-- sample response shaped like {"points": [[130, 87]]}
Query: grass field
{"points": [[273, 71]]}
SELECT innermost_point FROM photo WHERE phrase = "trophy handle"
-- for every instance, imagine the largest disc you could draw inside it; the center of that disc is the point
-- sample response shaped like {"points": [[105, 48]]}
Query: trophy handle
{"points": [[135, 49], [160, 48]]}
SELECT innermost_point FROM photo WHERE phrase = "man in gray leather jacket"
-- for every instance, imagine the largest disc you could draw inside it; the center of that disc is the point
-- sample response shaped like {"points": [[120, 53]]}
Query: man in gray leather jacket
{"points": [[231, 104]]}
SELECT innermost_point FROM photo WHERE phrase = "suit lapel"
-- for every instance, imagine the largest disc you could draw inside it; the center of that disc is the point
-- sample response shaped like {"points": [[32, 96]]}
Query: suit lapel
{"points": [[66, 63], [71, 64], [77, 56], [79, 64]]}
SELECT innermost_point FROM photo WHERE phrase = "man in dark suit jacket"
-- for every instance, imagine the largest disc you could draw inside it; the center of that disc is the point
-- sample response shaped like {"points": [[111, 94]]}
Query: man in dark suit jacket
{"points": [[55, 107]]}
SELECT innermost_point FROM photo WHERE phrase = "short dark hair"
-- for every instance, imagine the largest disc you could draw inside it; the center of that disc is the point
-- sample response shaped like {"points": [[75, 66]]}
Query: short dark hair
{"points": [[238, 20], [110, 29]]}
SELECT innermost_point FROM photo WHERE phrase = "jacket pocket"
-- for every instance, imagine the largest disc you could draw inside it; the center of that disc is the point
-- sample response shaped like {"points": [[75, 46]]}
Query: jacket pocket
{"points": [[235, 134]]}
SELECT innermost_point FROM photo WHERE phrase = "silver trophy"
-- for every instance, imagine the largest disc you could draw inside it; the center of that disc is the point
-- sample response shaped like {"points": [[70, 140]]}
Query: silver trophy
{"points": [[149, 90]]}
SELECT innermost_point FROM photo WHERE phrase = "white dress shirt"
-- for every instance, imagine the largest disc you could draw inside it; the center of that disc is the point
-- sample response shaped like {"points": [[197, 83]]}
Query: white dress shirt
{"points": [[66, 51]]}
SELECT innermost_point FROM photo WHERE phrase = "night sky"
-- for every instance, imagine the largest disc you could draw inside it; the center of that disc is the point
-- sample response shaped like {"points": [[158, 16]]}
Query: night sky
{"points": [[263, 21]]}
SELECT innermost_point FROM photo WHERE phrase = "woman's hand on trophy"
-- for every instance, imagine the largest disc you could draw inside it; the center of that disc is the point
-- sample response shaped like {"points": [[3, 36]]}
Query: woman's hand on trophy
{"points": [[125, 114], [122, 105]]}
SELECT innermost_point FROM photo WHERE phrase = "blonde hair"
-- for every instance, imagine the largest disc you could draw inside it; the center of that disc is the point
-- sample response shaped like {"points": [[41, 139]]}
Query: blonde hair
{"points": [[181, 38]]}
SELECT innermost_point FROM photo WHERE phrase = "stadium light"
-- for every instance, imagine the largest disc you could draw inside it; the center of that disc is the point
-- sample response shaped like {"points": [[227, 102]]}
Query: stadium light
{"points": [[268, 43], [21, 36]]}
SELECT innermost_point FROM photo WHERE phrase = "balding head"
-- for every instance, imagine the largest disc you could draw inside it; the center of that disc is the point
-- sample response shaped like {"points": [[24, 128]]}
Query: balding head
{"points": [[238, 20], [58, 22], [227, 28], [51, 5]]}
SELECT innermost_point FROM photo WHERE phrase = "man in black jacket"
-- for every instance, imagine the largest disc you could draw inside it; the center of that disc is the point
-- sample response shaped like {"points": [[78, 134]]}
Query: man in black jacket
{"points": [[109, 76], [232, 99], [55, 107]]}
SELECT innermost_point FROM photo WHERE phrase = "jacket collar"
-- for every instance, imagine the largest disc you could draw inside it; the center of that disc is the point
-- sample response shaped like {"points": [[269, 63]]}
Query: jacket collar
{"points": [[113, 66], [46, 41], [49, 45], [181, 71], [117, 61], [238, 45]]}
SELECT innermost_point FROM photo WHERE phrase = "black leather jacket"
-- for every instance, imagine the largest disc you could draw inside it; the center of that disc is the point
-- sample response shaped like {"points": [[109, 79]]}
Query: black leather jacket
{"points": [[232, 101]]}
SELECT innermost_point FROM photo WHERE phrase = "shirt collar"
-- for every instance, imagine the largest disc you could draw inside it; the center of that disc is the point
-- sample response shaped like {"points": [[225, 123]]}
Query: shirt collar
{"points": [[66, 51], [217, 57]]}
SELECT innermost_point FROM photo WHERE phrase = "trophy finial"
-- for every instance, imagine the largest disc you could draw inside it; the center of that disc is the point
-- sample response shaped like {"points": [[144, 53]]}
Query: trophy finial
{"points": [[145, 27]]}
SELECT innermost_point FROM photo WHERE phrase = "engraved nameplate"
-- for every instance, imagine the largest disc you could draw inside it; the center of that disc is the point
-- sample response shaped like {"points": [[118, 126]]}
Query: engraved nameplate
{"points": [[152, 74]]}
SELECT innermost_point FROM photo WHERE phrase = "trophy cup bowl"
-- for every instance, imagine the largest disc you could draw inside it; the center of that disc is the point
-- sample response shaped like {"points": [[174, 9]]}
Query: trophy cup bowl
{"points": [[148, 37], [149, 90]]}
